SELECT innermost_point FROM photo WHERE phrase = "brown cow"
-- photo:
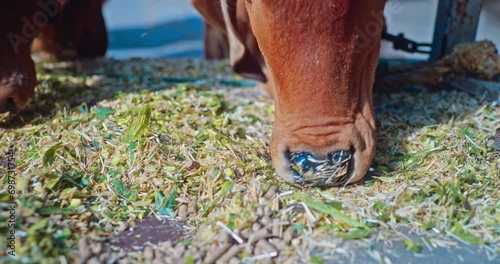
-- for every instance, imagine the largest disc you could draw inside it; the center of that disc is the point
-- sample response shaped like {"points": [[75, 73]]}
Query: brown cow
{"points": [[78, 31], [319, 59], [65, 28]]}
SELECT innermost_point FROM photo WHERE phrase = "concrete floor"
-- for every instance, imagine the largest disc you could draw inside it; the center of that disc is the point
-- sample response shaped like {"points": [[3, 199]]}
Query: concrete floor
{"points": [[172, 28]]}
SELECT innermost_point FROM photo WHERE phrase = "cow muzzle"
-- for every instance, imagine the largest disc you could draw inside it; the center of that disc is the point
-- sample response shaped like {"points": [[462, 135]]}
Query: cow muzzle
{"points": [[323, 156], [330, 170]]}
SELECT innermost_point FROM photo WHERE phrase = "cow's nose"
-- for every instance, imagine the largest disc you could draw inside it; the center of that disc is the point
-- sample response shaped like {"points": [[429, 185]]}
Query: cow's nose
{"points": [[330, 170]]}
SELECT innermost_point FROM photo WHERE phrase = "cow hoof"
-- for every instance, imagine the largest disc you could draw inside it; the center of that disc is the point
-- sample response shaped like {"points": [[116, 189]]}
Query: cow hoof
{"points": [[16, 91], [328, 171], [13, 99], [17, 80]]}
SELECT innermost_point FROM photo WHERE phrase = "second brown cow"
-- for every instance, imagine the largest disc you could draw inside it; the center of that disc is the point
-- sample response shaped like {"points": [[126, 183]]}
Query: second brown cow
{"points": [[62, 29]]}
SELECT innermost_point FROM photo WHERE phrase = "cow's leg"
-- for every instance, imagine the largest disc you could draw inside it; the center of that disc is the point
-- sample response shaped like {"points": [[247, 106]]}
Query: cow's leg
{"points": [[18, 27], [216, 43], [77, 31]]}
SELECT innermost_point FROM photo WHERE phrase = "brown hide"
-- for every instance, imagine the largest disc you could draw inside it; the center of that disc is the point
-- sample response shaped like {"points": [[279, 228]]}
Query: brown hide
{"points": [[65, 29], [17, 70]]}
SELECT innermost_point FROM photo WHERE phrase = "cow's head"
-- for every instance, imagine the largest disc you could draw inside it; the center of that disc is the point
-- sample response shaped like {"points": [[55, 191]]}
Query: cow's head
{"points": [[321, 57]]}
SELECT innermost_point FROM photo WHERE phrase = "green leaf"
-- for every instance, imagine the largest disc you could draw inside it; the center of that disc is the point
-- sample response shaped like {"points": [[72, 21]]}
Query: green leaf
{"points": [[139, 124], [330, 210], [84, 182], [166, 206], [189, 259], [459, 231], [355, 233], [50, 155], [131, 146], [170, 203], [70, 121], [379, 206], [62, 235], [120, 187], [229, 172], [232, 221], [317, 260], [32, 153], [52, 180], [412, 246], [159, 200], [95, 144], [38, 225], [335, 204], [55, 211], [298, 227], [103, 112]]}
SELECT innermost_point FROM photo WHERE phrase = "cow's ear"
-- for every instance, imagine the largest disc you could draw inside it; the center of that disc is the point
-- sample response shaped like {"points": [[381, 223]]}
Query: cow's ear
{"points": [[244, 52]]}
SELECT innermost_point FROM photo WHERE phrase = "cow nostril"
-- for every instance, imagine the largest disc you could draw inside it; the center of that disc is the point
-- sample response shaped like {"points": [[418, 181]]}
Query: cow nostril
{"points": [[308, 170]]}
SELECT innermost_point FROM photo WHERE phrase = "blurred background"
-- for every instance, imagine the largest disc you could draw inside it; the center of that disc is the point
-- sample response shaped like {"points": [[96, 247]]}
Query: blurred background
{"points": [[173, 29]]}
